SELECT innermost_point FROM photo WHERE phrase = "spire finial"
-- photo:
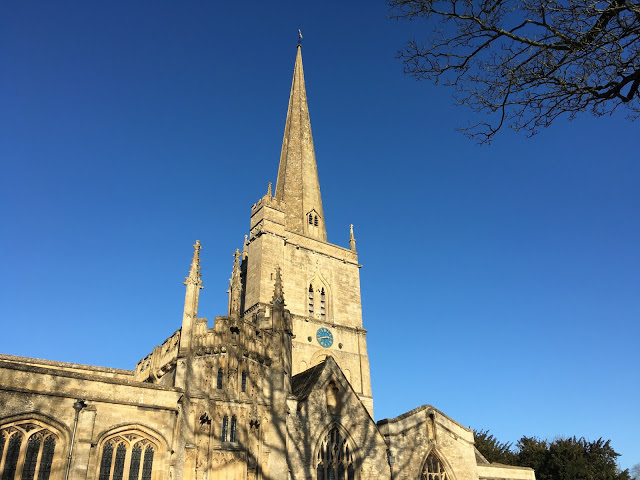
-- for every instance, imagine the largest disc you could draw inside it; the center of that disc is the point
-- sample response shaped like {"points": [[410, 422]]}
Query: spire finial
{"points": [[269, 189], [352, 239], [194, 271], [299, 38]]}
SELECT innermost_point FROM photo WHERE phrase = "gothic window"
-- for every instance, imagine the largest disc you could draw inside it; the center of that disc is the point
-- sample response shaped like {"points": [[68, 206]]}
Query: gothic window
{"points": [[323, 304], [127, 456], [225, 428], [335, 458], [310, 300], [433, 469], [232, 436], [27, 447], [219, 379], [310, 219], [243, 382], [315, 221]]}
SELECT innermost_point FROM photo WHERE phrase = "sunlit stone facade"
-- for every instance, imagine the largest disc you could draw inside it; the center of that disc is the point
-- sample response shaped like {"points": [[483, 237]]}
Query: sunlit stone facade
{"points": [[278, 388]]}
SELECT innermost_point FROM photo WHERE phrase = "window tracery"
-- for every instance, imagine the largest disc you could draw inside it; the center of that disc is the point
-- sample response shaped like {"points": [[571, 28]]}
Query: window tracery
{"points": [[127, 456], [27, 451], [335, 458], [434, 469]]}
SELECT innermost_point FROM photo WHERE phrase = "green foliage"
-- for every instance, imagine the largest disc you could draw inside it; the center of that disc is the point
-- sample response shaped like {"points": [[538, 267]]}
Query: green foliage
{"points": [[492, 449], [562, 459]]}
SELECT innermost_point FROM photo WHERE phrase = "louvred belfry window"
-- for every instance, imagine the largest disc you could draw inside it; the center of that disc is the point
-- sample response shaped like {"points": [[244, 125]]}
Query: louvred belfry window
{"points": [[434, 469], [127, 456], [335, 458], [27, 447]]}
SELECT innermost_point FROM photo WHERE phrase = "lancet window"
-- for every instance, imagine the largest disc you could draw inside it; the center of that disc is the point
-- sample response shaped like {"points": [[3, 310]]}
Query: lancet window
{"points": [[219, 378], [434, 469], [27, 451], [127, 455], [225, 429], [232, 435], [323, 304], [243, 381], [335, 458]]}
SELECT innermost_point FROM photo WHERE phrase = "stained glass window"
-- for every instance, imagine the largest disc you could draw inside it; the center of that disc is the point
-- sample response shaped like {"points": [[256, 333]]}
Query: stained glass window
{"points": [[11, 459], [433, 469], [47, 458], [118, 465], [148, 462], [105, 464], [335, 458], [31, 459], [232, 436], [134, 469], [132, 450], [225, 427]]}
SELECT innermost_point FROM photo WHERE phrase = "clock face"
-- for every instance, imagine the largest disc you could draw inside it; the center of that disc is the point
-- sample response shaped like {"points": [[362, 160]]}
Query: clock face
{"points": [[324, 337]]}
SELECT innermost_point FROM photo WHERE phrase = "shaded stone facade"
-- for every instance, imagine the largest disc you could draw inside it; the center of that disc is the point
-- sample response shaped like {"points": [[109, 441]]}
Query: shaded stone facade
{"points": [[279, 388]]}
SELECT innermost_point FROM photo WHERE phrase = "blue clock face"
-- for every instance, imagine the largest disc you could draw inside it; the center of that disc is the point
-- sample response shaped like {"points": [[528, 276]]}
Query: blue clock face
{"points": [[324, 337]]}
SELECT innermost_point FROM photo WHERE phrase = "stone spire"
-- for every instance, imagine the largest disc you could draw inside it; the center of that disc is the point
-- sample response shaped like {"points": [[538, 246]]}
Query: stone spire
{"points": [[298, 184], [191, 298]]}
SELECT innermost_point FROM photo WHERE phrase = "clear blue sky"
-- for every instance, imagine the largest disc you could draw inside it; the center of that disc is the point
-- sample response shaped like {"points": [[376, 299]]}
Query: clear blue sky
{"points": [[500, 284]]}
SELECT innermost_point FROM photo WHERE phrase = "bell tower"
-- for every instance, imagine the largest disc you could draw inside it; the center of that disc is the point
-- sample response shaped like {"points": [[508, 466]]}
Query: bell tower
{"points": [[322, 280]]}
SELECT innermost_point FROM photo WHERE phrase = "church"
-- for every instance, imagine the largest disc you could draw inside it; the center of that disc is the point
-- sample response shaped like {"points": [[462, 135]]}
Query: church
{"points": [[278, 388]]}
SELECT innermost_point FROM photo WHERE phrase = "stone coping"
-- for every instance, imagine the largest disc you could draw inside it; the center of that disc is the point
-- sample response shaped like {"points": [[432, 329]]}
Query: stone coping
{"points": [[57, 372], [64, 365]]}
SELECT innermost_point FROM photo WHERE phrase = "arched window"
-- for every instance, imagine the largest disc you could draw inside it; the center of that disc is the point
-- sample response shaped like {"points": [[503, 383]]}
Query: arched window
{"points": [[220, 377], [323, 303], [127, 455], [310, 219], [29, 447], [232, 436], [315, 221], [433, 469], [335, 458], [243, 382], [225, 428]]}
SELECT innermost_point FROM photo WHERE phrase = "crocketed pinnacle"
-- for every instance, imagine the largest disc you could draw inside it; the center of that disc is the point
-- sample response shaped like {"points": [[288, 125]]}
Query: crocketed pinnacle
{"points": [[278, 292], [298, 184], [194, 271]]}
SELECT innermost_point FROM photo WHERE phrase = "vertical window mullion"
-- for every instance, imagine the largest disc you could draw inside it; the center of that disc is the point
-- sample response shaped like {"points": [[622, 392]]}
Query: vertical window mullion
{"points": [[39, 460], [3, 451], [127, 463]]}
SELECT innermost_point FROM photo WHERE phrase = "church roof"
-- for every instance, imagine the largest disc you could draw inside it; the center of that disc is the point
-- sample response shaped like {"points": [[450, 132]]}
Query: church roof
{"points": [[302, 383], [298, 185]]}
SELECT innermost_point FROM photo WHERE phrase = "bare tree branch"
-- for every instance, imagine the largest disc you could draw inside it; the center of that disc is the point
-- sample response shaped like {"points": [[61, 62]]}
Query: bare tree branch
{"points": [[524, 63]]}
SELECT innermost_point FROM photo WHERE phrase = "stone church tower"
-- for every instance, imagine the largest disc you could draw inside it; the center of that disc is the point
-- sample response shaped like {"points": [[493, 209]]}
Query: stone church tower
{"points": [[321, 280], [276, 389]]}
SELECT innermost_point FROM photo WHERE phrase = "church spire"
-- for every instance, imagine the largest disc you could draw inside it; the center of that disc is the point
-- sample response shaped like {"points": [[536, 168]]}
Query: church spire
{"points": [[298, 184]]}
